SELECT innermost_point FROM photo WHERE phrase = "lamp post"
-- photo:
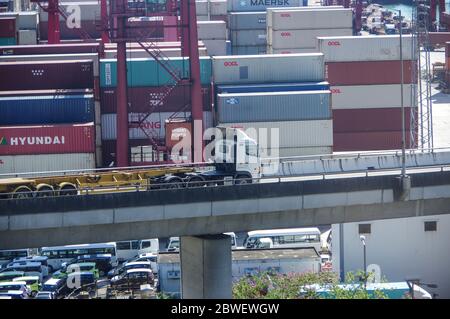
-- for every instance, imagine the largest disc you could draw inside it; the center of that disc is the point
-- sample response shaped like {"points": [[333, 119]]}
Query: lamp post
{"points": [[363, 240]]}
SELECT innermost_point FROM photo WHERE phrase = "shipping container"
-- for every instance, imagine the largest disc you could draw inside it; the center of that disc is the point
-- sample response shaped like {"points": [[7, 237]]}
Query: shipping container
{"points": [[272, 50], [216, 47], [159, 45], [249, 50], [109, 151], [148, 72], [273, 87], [27, 37], [211, 7], [14, 164], [86, 10], [369, 73], [247, 20], [212, 30], [289, 133], [371, 120], [50, 109], [366, 48], [268, 68], [369, 141], [153, 125], [248, 37], [7, 41], [50, 49], [261, 5], [372, 96], [291, 39], [273, 106], [141, 53], [141, 99], [298, 19], [45, 92], [47, 139], [25, 20], [71, 31], [176, 130], [55, 57], [294, 151], [37, 75], [8, 27]]}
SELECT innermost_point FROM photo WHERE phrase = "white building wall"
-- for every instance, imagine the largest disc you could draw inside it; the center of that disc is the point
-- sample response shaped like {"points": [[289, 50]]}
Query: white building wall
{"points": [[401, 248]]}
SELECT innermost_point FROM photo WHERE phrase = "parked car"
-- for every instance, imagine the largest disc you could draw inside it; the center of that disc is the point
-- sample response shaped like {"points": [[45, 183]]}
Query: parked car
{"points": [[10, 275], [33, 283], [102, 261], [9, 286], [66, 270], [28, 267], [44, 295], [36, 259], [129, 265], [83, 278], [133, 279], [13, 294], [152, 258], [56, 286]]}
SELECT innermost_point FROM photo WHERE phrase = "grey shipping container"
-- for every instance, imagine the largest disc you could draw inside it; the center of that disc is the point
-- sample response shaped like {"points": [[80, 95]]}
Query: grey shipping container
{"points": [[249, 50], [212, 30], [274, 106], [261, 5], [268, 68], [247, 20], [25, 20], [248, 37]]}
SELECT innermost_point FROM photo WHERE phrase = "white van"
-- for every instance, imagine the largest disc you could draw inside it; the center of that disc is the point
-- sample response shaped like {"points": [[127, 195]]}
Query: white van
{"points": [[126, 250], [174, 242], [284, 238]]}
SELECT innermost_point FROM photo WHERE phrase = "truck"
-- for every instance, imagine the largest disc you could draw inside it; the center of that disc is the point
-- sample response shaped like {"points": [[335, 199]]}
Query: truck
{"points": [[235, 160]]}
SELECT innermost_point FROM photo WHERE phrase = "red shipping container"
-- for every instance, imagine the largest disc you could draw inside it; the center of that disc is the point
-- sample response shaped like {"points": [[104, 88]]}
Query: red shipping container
{"points": [[369, 141], [76, 74], [368, 72], [140, 99], [370, 120], [48, 139], [50, 49], [8, 27], [177, 130]]}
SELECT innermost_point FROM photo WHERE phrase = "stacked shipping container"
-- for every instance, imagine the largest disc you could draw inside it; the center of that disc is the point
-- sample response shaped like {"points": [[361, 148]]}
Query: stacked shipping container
{"points": [[8, 31], [146, 85], [26, 26], [295, 30], [53, 125], [247, 32], [283, 94], [365, 78], [214, 35]]}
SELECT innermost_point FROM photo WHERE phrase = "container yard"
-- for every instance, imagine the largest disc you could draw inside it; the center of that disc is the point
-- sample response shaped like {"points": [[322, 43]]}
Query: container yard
{"points": [[148, 106]]}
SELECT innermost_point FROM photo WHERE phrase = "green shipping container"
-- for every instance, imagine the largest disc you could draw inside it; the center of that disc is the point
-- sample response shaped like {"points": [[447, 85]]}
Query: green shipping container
{"points": [[8, 41], [148, 72]]}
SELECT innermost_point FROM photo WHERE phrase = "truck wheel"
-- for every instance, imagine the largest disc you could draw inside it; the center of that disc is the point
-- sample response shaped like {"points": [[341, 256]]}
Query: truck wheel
{"points": [[44, 190], [242, 179], [195, 181], [173, 183], [68, 190], [22, 192]]}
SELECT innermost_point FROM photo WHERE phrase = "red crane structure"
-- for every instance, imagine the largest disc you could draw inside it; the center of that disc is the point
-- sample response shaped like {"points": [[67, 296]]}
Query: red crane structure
{"points": [[121, 32]]}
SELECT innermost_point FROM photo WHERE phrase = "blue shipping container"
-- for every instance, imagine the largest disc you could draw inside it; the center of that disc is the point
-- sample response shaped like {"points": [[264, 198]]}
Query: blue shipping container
{"points": [[273, 106], [274, 87], [47, 109], [148, 72]]}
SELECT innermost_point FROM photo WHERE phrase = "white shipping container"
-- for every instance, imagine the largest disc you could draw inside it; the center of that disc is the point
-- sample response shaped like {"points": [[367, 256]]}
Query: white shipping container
{"points": [[291, 133], [371, 96], [291, 39], [248, 37], [216, 47], [76, 11], [294, 19], [141, 53], [27, 37], [25, 20], [13, 164], [212, 30], [365, 48], [261, 5], [268, 68], [291, 51], [211, 7], [154, 124]]}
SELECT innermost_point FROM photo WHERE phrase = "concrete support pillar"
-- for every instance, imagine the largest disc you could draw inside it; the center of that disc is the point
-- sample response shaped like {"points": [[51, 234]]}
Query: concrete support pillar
{"points": [[205, 267]]}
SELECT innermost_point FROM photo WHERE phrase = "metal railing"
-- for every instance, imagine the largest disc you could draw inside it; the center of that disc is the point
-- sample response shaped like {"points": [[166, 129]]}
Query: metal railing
{"points": [[146, 187]]}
